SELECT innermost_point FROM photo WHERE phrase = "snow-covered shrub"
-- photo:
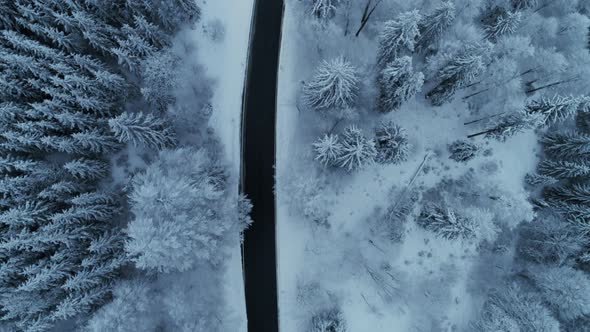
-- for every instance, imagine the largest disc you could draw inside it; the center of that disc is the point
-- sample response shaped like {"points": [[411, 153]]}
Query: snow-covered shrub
{"points": [[494, 319], [142, 129], [328, 321], [398, 36], [334, 85], [398, 83], [181, 214], [215, 30], [357, 149], [550, 240], [565, 289], [328, 149], [309, 197], [391, 143], [463, 151]]}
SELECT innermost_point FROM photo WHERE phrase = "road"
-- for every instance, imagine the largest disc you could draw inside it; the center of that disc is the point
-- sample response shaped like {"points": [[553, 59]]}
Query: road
{"points": [[258, 171]]}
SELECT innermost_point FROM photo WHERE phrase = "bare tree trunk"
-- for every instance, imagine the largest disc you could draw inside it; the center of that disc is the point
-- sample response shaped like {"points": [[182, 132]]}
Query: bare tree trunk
{"points": [[550, 85], [367, 15], [347, 26], [484, 118], [481, 133]]}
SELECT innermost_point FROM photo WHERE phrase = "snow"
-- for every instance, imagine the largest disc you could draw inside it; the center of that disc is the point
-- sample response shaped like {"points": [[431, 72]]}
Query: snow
{"points": [[224, 59], [432, 284]]}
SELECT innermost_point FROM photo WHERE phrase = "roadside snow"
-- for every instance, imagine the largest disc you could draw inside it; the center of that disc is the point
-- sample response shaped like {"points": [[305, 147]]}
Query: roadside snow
{"points": [[223, 38]]}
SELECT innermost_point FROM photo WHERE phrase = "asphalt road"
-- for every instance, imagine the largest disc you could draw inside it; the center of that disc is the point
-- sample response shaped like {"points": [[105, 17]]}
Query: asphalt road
{"points": [[258, 171]]}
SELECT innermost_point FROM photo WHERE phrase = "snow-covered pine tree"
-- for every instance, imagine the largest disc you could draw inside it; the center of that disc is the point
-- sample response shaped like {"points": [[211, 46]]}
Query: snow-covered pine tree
{"points": [[142, 129], [561, 169], [330, 320], [398, 36], [334, 85], [433, 25], [461, 69], [536, 179], [524, 4], [462, 151], [512, 124], [555, 109], [525, 308], [566, 145], [445, 222], [577, 193], [504, 24], [577, 214], [392, 143], [397, 83], [357, 149], [550, 241], [324, 9], [566, 289], [87, 169], [328, 149]]}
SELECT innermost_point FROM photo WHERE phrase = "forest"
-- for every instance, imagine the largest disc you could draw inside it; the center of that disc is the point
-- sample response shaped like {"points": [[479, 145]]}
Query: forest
{"points": [[437, 170], [116, 205]]}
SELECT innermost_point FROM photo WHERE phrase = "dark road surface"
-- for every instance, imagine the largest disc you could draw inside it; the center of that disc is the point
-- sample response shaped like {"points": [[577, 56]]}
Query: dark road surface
{"points": [[258, 160]]}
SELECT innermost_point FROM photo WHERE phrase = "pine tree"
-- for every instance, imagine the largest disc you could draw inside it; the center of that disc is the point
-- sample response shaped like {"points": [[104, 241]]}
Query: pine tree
{"points": [[525, 308], [567, 290], [357, 150], [524, 4], [433, 25], [141, 129], [504, 24], [577, 193], [328, 149], [398, 83], [512, 124], [392, 143], [536, 179], [563, 169], [87, 169], [445, 222], [462, 68], [462, 151], [334, 85], [555, 109], [550, 241], [566, 145], [398, 36]]}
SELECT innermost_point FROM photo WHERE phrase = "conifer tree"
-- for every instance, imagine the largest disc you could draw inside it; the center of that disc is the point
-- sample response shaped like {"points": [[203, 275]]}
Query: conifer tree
{"points": [[504, 24], [577, 193], [566, 290], [328, 149], [392, 143], [555, 109], [461, 69], [142, 129], [564, 169], [357, 149], [524, 4], [398, 36], [433, 25], [567, 145], [334, 85], [398, 83], [87, 169]]}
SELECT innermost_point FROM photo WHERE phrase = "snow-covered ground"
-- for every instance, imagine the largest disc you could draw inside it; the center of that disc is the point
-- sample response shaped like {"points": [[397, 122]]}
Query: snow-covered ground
{"points": [[223, 38], [421, 284]]}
